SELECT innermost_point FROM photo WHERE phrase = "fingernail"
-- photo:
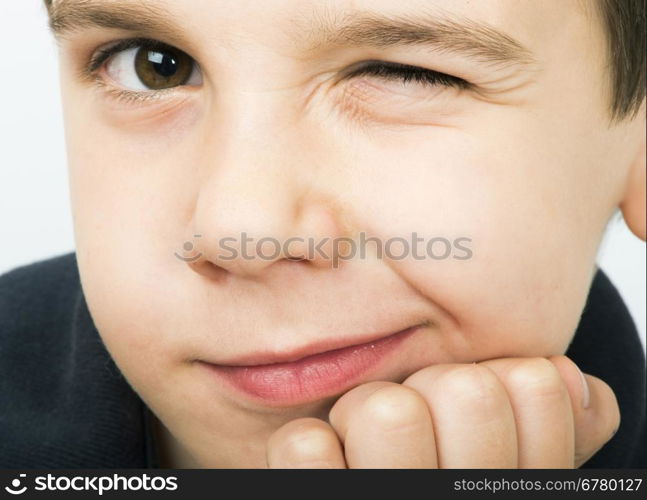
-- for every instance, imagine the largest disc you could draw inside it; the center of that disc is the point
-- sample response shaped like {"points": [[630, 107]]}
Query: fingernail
{"points": [[586, 395]]}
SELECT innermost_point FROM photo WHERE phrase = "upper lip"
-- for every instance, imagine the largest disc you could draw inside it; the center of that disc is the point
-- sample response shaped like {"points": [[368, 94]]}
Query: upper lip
{"points": [[300, 353]]}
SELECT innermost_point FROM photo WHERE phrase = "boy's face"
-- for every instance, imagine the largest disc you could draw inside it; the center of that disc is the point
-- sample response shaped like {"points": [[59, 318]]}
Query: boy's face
{"points": [[273, 136]]}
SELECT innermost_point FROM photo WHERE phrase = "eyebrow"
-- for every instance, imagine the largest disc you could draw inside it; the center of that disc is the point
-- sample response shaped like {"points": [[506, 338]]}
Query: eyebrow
{"points": [[67, 16], [443, 33]]}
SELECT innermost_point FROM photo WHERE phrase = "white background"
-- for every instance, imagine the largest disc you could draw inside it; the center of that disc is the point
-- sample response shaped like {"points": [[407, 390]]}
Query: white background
{"points": [[35, 215]]}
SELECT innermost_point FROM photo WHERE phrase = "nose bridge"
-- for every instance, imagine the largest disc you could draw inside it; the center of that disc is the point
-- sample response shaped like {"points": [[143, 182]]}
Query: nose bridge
{"points": [[251, 153], [258, 182], [248, 184]]}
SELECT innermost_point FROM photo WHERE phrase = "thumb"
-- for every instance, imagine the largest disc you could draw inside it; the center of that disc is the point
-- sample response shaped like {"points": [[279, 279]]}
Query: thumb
{"points": [[596, 415]]}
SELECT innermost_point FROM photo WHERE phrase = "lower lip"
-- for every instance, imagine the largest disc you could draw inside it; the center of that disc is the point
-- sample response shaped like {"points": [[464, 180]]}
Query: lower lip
{"points": [[313, 377]]}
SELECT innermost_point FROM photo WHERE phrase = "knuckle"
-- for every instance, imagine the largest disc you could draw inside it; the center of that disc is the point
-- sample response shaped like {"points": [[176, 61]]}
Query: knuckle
{"points": [[306, 440], [394, 408], [536, 378], [472, 384]]}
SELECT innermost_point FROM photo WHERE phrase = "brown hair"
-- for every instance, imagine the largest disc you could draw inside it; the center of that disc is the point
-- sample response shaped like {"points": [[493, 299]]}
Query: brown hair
{"points": [[624, 23]]}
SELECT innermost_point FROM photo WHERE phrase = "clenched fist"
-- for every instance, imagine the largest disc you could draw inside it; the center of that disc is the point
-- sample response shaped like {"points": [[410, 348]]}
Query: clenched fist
{"points": [[502, 413]]}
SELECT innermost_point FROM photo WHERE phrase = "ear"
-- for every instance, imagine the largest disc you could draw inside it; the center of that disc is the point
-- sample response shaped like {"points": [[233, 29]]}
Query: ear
{"points": [[633, 202]]}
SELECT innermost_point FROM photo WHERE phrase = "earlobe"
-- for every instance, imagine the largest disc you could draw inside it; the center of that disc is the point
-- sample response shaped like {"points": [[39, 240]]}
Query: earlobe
{"points": [[633, 203]]}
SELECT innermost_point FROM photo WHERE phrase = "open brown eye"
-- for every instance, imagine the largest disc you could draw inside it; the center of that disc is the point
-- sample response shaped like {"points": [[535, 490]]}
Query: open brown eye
{"points": [[163, 68]]}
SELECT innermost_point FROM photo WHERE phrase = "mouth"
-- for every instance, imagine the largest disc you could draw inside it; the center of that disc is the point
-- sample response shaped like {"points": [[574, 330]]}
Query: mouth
{"points": [[312, 373]]}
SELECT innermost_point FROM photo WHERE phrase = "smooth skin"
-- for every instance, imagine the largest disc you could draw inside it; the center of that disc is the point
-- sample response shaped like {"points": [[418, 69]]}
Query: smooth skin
{"points": [[272, 141]]}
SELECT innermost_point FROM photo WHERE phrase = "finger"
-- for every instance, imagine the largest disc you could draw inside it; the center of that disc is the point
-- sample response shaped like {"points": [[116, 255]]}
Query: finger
{"points": [[471, 415], [343, 409], [542, 410], [305, 443], [596, 414], [385, 425]]}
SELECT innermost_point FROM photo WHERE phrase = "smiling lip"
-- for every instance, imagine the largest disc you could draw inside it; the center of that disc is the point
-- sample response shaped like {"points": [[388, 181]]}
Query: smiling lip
{"points": [[289, 379]]}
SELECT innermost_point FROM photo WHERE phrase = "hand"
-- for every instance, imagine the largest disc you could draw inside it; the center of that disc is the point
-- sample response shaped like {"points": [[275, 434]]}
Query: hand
{"points": [[502, 413]]}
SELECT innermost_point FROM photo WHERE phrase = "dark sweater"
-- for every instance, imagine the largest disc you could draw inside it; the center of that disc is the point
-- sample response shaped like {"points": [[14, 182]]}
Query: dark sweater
{"points": [[64, 403]]}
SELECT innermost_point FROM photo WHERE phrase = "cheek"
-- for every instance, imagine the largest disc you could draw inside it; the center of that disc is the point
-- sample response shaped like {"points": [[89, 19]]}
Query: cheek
{"points": [[533, 247], [132, 194]]}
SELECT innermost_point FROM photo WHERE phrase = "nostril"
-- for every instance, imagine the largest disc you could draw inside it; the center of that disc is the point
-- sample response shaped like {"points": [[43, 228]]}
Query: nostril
{"points": [[208, 269]]}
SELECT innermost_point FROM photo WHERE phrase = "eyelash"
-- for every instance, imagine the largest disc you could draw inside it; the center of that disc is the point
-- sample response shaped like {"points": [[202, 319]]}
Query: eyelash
{"points": [[101, 56], [406, 73], [381, 69]]}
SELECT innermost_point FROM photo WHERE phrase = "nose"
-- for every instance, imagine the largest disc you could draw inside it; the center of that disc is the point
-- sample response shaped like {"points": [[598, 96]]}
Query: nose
{"points": [[261, 199]]}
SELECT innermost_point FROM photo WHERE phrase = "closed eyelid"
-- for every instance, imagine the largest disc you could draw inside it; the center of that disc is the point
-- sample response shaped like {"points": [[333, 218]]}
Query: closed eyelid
{"points": [[406, 73]]}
